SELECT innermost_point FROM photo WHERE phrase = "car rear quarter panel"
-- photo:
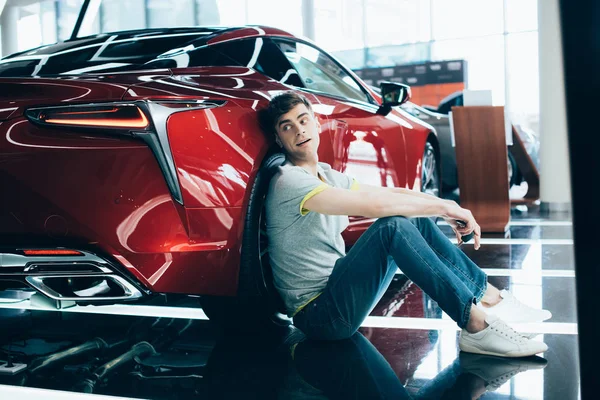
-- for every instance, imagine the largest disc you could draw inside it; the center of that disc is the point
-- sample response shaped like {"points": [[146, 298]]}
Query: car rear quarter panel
{"points": [[109, 193]]}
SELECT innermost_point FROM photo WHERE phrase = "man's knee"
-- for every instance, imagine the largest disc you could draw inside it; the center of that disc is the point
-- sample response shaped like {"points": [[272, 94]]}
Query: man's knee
{"points": [[390, 226], [423, 222], [396, 221]]}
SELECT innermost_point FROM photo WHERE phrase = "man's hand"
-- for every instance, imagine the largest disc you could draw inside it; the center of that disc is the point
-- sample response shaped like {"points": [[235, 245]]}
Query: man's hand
{"points": [[453, 213]]}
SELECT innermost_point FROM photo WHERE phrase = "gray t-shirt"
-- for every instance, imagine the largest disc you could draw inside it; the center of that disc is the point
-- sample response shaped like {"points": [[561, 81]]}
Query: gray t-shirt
{"points": [[303, 245]]}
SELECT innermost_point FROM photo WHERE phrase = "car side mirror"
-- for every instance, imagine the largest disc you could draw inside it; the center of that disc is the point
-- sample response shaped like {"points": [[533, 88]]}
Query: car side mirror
{"points": [[392, 94]]}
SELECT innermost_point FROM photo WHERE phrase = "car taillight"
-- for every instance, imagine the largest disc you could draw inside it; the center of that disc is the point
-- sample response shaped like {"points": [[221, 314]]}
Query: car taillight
{"points": [[115, 116], [52, 252]]}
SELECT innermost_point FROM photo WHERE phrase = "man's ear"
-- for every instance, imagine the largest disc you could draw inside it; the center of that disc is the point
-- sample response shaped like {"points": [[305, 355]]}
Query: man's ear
{"points": [[278, 141], [318, 124]]}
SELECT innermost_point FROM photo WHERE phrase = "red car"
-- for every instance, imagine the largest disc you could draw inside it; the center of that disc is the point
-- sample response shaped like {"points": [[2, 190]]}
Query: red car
{"points": [[135, 163]]}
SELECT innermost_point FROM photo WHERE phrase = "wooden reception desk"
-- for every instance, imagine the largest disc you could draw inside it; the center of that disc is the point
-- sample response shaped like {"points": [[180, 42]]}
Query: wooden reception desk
{"points": [[481, 161]]}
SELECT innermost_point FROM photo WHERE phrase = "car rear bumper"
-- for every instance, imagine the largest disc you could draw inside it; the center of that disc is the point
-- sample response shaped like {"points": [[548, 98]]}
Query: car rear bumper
{"points": [[82, 276]]}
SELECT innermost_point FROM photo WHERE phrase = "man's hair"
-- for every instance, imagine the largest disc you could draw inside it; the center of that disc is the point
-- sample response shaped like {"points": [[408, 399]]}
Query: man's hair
{"points": [[283, 103]]}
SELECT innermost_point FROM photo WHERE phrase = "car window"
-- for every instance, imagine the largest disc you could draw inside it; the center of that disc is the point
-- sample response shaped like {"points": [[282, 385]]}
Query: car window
{"points": [[451, 101], [18, 68], [319, 72], [114, 53], [260, 54]]}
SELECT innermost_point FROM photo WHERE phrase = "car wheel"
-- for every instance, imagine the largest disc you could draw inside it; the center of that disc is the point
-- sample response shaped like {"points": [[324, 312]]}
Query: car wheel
{"points": [[257, 306], [514, 176], [430, 171]]}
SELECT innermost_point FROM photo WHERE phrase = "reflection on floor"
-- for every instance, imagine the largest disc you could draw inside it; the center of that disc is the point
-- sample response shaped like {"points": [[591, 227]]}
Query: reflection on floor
{"points": [[407, 348]]}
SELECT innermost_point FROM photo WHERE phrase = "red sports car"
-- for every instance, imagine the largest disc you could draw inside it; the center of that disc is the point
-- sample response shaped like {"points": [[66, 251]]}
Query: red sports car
{"points": [[135, 163]]}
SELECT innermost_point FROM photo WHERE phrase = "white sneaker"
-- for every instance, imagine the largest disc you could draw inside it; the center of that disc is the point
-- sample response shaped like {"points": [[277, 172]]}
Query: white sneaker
{"points": [[499, 339], [512, 310], [529, 335], [496, 371]]}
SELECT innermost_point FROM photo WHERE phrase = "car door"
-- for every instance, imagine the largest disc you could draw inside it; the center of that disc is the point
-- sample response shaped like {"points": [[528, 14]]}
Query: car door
{"points": [[364, 144]]}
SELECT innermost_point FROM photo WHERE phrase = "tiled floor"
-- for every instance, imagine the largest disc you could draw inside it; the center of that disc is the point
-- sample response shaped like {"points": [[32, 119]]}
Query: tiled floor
{"points": [[407, 347]]}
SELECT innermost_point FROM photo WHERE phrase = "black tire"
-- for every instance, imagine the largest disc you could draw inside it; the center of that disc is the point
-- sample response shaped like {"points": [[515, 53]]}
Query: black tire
{"points": [[430, 171], [257, 306], [514, 174]]}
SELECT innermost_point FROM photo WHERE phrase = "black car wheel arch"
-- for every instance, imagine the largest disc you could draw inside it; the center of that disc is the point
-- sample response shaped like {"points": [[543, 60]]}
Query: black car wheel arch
{"points": [[257, 306]]}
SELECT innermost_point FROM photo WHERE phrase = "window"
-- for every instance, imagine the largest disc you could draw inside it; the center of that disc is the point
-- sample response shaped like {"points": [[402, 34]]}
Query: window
{"points": [[125, 52], [144, 48], [339, 24], [67, 12], [386, 56], [121, 15], [319, 72], [260, 54], [466, 18], [521, 15], [352, 59], [523, 79], [485, 62], [168, 14], [69, 61], [18, 68], [390, 22], [286, 15], [36, 25]]}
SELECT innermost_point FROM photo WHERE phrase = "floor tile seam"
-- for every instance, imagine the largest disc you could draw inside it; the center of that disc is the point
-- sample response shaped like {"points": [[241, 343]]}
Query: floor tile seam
{"points": [[371, 321], [507, 241], [543, 273], [528, 222], [418, 323]]}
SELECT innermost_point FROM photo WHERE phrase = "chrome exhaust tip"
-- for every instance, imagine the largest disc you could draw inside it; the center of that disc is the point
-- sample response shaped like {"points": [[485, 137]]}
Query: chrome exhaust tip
{"points": [[84, 287], [68, 275]]}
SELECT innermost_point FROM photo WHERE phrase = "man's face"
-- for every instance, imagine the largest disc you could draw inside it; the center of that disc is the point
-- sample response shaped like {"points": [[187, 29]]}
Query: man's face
{"points": [[298, 133]]}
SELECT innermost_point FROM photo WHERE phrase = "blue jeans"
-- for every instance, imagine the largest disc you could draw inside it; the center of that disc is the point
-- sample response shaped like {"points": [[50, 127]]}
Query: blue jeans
{"points": [[359, 280]]}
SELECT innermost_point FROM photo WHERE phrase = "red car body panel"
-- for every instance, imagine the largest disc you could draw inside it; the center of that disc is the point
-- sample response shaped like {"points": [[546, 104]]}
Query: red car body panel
{"points": [[109, 192]]}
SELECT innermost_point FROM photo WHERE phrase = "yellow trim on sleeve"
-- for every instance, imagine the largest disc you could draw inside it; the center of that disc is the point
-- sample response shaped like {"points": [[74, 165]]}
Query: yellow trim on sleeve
{"points": [[354, 184], [315, 191]]}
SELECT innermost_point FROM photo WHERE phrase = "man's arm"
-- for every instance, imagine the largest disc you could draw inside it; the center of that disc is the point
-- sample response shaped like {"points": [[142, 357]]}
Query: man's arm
{"points": [[374, 204], [387, 203], [382, 189]]}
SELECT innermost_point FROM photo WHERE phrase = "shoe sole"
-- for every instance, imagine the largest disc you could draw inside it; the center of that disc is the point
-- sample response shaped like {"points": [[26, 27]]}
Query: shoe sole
{"points": [[472, 349]]}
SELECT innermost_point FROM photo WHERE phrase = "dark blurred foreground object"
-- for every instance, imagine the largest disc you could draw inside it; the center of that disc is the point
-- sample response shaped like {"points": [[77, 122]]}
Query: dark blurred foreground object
{"points": [[580, 24]]}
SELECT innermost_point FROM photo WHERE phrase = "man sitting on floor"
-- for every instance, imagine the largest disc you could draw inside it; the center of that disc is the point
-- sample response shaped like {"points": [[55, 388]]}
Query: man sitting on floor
{"points": [[329, 293]]}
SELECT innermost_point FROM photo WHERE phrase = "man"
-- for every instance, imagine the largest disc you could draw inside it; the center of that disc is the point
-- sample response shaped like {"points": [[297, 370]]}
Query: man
{"points": [[329, 293]]}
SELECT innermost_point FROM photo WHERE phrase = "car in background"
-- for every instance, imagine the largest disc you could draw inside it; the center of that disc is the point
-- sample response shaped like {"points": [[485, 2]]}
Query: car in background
{"points": [[438, 118], [136, 163]]}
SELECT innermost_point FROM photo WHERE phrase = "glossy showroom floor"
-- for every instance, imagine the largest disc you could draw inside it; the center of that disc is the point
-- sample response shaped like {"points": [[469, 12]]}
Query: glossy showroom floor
{"points": [[406, 340]]}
